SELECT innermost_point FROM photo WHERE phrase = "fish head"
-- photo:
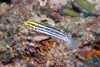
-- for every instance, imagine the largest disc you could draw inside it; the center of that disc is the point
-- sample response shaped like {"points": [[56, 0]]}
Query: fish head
{"points": [[34, 23], [26, 23]]}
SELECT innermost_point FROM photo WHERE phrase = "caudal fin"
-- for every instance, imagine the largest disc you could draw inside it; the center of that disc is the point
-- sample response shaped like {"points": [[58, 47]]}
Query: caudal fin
{"points": [[74, 43]]}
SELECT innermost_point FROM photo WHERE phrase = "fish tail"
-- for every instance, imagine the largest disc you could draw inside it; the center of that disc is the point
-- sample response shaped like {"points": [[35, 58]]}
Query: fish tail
{"points": [[73, 43]]}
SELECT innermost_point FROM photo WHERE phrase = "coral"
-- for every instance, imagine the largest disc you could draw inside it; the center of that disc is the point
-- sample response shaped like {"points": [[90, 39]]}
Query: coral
{"points": [[92, 52]]}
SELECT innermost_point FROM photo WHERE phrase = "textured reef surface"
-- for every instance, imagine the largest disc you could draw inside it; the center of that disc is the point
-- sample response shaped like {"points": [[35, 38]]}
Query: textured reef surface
{"points": [[20, 46]]}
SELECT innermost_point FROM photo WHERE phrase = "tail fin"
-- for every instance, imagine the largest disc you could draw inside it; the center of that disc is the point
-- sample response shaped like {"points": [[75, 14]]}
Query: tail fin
{"points": [[73, 43]]}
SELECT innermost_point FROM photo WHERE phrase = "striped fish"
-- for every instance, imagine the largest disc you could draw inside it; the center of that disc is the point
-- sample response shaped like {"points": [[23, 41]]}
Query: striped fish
{"points": [[52, 32]]}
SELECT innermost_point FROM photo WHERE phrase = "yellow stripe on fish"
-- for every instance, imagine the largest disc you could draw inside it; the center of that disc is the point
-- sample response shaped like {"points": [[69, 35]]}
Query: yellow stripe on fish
{"points": [[51, 31], [31, 22]]}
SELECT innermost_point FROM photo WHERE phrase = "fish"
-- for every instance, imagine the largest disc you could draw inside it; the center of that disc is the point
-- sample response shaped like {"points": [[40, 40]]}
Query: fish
{"points": [[76, 14], [42, 28], [91, 15], [75, 7], [72, 13], [86, 5]]}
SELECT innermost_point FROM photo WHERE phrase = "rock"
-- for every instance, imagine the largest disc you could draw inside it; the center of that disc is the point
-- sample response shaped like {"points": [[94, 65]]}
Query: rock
{"points": [[4, 7], [82, 36]]}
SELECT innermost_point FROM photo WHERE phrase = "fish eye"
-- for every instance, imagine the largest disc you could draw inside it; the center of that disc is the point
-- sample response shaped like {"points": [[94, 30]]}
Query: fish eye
{"points": [[34, 28]]}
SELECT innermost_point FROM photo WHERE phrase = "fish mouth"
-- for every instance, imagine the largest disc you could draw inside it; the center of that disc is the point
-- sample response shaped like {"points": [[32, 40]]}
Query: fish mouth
{"points": [[31, 23], [26, 23]]}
